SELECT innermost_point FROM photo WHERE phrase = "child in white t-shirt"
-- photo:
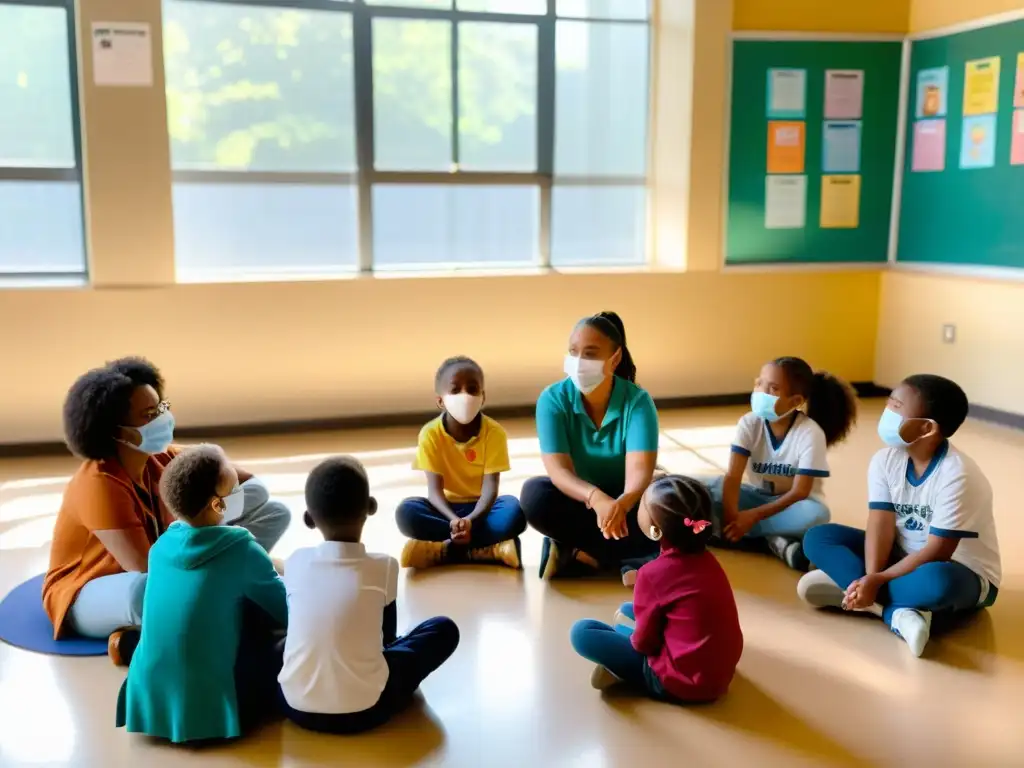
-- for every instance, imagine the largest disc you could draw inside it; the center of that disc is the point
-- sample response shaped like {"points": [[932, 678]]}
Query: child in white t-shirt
{"points": [[780, 449], [345, 671], [930, 544]]}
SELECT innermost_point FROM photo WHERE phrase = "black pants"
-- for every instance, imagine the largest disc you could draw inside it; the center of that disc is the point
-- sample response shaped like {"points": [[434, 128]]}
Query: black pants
{"points": [[257, 665], [570, 523], [410, 660]]}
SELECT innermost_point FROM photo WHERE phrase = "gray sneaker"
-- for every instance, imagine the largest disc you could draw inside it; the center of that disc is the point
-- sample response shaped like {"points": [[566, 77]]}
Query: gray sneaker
{"points": [[789, 551]]}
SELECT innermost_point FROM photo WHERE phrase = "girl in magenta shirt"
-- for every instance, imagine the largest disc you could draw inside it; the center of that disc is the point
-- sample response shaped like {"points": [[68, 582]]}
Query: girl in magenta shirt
{"points": [[680, 638]]}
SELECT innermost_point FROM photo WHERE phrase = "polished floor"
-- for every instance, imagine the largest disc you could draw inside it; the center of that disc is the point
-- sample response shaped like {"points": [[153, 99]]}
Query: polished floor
{"points": [[812, 689]]}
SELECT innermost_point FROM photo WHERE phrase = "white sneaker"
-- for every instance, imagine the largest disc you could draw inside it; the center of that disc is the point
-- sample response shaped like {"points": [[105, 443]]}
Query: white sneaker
{"points": [[913, 626], [622, 620], [819, 591]]}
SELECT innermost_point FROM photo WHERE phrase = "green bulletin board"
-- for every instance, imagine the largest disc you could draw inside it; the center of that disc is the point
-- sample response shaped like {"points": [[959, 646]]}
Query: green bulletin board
{"points": [[951, 214], [759, 231]]}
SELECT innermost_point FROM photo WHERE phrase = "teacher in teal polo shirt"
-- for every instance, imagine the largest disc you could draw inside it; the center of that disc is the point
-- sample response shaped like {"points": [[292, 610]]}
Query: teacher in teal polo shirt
{"points": [[599, 439]]}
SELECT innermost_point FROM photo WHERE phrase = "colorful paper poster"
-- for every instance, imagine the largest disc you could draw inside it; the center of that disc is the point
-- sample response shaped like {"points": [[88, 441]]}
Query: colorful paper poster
{"points": [[929, 146], [981, 86], [1018, 85], [787, 93], [841, 147], [978, 142], [786, 142], [785, 202], [1017, 140], [932, 92], [844, 94], [840, 202]]}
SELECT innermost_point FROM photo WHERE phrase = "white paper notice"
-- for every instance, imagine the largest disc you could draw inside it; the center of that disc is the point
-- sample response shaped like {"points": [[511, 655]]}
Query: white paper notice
{"points": [[787, 92], [122, 54], [785, 202]]}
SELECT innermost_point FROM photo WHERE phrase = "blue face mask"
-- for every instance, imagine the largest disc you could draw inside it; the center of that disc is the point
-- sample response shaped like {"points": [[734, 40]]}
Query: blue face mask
{"points": [[763, 405], [156, 436], [889, 429]]}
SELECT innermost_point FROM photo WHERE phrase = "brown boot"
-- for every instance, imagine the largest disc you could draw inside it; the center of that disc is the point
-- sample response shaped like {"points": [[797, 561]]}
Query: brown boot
{"points": [[505, 553], [121, 645], [422, 554]]}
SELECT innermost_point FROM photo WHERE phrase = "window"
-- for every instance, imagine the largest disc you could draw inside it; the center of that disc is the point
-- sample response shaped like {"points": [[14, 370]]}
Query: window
{"points": [[412, 95], [40, 181], [316, 137], [453, 225], [599, 198], [261, 121], [636, 10], [497, 114]]}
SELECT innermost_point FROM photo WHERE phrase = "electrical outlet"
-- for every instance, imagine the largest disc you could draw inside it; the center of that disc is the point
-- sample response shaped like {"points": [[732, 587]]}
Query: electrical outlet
{"points": [[949, 334]]}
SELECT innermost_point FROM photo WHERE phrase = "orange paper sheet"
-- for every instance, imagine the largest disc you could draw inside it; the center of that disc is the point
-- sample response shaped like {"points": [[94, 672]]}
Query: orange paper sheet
{"points": [[786, 146]]}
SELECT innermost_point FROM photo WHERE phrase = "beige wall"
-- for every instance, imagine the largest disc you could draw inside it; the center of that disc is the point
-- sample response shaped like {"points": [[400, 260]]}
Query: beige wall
{"points": [[988, 356], [260, 352], [126, 164], [987, 359]]}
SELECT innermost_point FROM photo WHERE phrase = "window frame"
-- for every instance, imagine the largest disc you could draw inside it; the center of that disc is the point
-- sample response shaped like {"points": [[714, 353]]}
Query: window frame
{"points": [[38, 173], [367, 176]]}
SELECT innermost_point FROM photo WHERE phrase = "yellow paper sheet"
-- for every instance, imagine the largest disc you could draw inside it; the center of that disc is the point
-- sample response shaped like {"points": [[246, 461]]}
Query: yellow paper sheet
{"points": [[981, 86], [840, 201], [1018, 85]]}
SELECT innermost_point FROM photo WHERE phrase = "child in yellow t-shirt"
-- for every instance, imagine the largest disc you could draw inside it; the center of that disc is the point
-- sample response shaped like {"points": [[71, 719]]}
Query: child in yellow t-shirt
{"points": [[463, 453]]}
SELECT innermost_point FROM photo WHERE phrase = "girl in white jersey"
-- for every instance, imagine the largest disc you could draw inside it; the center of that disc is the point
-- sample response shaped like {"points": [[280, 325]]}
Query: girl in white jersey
{"points": [[780, 449], [930, 544]]}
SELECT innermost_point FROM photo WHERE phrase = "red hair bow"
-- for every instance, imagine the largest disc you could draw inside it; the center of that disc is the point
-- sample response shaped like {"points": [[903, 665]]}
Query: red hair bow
{"points": [[697, 525]]}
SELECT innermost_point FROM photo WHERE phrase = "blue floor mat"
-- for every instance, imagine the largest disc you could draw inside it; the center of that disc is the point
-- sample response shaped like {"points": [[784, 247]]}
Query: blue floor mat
{"points": [[24, 623]]}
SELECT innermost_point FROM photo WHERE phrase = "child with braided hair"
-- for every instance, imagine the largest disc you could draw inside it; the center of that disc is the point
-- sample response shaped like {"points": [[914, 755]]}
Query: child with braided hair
{"points": [[680, 638]]}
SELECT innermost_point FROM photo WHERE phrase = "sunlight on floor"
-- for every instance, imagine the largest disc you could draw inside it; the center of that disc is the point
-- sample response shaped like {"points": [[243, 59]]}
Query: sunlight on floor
{"points": [[812, 689], [29, 685]]}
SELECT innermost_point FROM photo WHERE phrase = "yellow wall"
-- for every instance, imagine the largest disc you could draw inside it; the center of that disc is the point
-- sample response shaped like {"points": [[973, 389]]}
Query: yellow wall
{"points": [[988, 355], [259, 352], [823, 15], [935, 14]]}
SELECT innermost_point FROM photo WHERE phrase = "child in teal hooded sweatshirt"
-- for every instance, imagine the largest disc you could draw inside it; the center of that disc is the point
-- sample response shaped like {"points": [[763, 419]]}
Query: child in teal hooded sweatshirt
{"points": [[212, 602]]}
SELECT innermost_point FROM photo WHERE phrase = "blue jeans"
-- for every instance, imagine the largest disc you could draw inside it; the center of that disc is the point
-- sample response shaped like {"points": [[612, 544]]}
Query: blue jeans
{"points": [[109, 603], [838, 550], [792, 522], [417, 519], [612, 648]]}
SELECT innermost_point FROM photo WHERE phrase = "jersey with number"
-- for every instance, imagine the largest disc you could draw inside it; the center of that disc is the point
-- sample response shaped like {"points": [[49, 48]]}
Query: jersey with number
{"points": [[772, 463], [952, 499]]}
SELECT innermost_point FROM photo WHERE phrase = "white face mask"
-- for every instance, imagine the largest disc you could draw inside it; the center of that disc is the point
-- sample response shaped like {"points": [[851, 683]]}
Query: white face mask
{"points": [[463, 407], [587, 375], [234, 504]]}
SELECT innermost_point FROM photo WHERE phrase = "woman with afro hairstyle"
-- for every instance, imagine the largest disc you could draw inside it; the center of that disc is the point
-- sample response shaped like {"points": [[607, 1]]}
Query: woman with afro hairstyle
{"points": [[117, 421]]}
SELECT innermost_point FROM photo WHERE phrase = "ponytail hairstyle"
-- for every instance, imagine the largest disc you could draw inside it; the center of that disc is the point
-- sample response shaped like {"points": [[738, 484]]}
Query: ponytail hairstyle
{"points": [[609, 325], [831, 402], [681, 508]]}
